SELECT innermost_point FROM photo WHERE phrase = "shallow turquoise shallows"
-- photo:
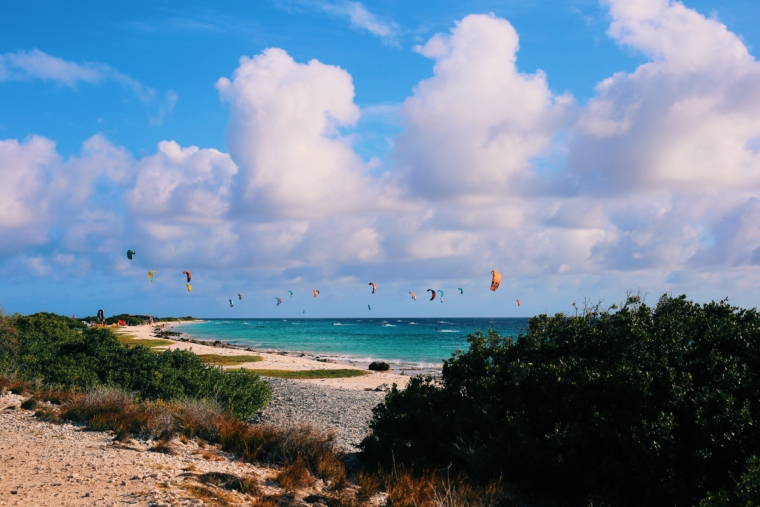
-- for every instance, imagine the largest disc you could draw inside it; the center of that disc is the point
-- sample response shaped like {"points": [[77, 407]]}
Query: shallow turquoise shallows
{"points": [[402, 342]]}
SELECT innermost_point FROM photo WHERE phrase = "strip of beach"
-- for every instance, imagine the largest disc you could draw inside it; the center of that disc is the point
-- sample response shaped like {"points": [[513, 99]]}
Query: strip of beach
{"points": [[290, 361]]}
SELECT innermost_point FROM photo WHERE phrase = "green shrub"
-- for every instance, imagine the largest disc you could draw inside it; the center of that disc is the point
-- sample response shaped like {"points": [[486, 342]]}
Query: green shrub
{"points": [[64, 352], [643, 406]]}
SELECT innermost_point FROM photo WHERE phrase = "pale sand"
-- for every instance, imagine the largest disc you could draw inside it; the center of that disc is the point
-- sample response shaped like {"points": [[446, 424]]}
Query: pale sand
{"points": [[61, 465], [279, 361]]}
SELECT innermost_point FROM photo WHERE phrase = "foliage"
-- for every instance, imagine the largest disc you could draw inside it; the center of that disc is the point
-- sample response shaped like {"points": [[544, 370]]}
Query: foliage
{"points": [[64, 352], [642, 406], [144, 342], [229, 360], [135, 320]]}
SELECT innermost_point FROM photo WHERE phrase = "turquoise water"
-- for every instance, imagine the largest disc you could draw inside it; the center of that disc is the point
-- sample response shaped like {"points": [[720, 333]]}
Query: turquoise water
{"points": [[402, 342]]}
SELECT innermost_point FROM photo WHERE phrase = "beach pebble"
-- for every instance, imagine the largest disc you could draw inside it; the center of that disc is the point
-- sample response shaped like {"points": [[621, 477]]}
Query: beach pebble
{"points": [[346, 412]]}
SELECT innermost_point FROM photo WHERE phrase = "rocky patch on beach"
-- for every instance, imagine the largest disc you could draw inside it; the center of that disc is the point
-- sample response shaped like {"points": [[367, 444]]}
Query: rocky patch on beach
{"points": [[346, 412]]}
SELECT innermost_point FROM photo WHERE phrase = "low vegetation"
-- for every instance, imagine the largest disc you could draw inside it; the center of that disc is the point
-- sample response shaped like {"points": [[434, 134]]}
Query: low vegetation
{"points": [[229, 360], [628, 406], [311, 374], [62, 352], [131, 341]]}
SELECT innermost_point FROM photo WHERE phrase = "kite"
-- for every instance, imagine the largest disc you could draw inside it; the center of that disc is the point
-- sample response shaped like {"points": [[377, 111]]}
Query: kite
{"points": [[433, 296], [440, 292], [279, 301], [304, 310], [374, 287], [316, 292], [101, 317], [151, 274], [189, 276], [495, 280], [461, 290], [519, 303], [231, 304], [291, 293], [413, 296], [368, 306], [240, 296], [189, 287], [130, 253]]}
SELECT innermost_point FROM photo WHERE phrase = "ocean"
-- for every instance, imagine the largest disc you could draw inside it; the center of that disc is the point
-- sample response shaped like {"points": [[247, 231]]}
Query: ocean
{"points": [[404, 343]]}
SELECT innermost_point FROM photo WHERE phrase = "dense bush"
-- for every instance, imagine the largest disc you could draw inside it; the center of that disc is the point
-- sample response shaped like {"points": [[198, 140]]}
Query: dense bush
{"points": [[64, 352], [640, 406]]}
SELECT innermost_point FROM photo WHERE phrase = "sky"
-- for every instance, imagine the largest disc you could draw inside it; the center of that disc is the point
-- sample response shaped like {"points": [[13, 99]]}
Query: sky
{"points": [[583, 149]]}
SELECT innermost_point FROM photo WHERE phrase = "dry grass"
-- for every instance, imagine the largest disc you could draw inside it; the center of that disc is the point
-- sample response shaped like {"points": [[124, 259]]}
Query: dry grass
{"points": [[303, 453], [407, 489], [307, 374], [133, 342], [278, 445], [294, 476], [218, 360]]}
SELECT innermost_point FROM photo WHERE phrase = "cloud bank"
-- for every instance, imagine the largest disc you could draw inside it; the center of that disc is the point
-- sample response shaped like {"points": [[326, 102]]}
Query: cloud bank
{"points": [[655, 181]]}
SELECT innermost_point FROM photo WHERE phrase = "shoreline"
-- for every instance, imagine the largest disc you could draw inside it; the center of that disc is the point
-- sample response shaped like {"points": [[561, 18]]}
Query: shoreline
{"points": [[290, 361], [397, 365]]}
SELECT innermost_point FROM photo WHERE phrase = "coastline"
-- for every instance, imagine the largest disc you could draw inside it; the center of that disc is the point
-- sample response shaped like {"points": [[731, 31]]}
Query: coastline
{"points": [[274, 360]]}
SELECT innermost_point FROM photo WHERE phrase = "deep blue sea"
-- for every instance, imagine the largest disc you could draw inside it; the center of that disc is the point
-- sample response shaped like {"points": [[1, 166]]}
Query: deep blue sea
{"points": [[421, 343]]}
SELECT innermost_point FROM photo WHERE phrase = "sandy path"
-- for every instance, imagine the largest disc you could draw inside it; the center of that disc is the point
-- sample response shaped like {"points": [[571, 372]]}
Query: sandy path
{"points": [[61, 465], [281, 361]]}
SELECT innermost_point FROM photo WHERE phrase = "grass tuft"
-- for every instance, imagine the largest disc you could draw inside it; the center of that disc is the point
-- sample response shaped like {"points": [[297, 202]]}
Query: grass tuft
{"points": [[311, 374], [29, 404], [218, 360], [295, 476], [150, 343]]}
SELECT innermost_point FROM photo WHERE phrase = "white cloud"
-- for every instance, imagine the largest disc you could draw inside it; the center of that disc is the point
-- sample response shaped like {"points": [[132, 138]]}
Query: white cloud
{"points": [[284, 135], [471, 130], [186, 185], [36, 64], [363, 19], [24, 171], [686, 121], [658, 181]]}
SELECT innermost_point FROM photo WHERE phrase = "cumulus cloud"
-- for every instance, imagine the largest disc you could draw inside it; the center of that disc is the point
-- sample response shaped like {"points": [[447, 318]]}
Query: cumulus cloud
{"points": [[187, 185], [284, 135], [472, 129], [687, 120], [658, 180]]}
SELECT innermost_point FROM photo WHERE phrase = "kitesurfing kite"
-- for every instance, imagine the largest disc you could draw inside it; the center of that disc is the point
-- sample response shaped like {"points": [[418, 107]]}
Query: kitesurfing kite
{"points": [[231, 304], [291, 293], [374, 287], [279, 301], [461, 290], [189, 276], [440, 292], [151, 274], [189, 287], [316, 292], [495, 280], [368, 306], [304, 310], [432, 297], [240, 296], [413, 296], [519, 303], [101, 317], [130, 253]]}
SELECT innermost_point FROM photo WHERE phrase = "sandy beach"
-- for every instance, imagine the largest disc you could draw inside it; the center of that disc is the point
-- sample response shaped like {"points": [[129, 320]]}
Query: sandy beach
{"points": [[275, 361]]}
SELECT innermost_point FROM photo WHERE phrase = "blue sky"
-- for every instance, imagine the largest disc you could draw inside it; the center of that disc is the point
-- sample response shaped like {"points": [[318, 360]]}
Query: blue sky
{"points": [[378, 142]]}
